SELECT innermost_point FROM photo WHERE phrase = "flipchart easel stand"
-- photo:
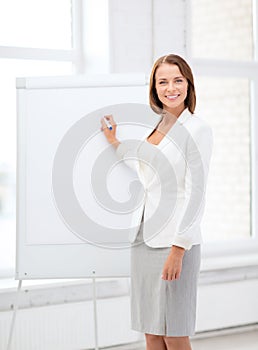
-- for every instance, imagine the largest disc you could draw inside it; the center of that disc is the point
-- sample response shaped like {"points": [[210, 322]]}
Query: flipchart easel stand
{"points": [[16, 307]]}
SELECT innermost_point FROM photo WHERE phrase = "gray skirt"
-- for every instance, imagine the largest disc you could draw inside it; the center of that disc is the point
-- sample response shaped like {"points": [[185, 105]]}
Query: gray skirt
{"points": [[157, 306]]}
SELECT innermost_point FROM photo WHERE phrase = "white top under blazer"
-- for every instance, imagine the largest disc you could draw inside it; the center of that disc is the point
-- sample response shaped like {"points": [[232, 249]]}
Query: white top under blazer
{"points": [[174, 177]]}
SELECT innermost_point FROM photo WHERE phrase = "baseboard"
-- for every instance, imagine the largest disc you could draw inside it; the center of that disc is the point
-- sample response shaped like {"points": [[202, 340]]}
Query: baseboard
{"points": [[226, 331], [201, 335]]}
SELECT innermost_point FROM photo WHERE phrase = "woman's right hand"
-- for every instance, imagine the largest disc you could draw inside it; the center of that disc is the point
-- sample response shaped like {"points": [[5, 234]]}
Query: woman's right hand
{"points": [[109, 134]]}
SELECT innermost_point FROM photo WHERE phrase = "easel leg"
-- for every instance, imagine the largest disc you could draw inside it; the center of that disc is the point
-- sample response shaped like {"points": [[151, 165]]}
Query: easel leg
{"points": [[95, 312], [15, 308]]}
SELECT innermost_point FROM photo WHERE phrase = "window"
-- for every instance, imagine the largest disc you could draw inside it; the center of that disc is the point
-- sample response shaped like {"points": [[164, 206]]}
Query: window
{"points": [[37, 24], [223, 58], [225, 104], [40, 38], [35, 40], [223, 29]]}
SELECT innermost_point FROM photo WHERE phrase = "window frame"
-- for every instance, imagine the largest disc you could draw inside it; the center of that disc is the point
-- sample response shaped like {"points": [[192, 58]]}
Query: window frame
{"points": [[73, 55], [246, 247], [76, 55]]}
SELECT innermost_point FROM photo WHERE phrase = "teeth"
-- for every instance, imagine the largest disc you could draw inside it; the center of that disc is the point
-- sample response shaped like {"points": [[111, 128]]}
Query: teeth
{"points": [[172, 96]]}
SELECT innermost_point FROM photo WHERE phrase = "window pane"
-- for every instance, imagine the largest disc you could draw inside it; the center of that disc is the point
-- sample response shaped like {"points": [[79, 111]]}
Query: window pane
{"points": [[96, 20], [9, 70], [225, 104], [222, 29], [41, 24]]}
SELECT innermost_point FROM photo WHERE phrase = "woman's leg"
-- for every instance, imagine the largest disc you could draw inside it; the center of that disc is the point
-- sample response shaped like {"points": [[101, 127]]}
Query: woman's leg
{"points": [[155, 342], [177, 343]]}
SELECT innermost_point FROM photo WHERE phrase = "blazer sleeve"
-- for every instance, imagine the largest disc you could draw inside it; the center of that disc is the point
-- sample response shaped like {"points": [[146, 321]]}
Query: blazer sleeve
{"points": [[197, 157]]}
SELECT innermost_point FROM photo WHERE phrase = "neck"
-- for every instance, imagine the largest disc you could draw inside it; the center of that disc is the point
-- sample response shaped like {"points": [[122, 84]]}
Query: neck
{"points": [[167, 121], [169, 117], [176, 112]]}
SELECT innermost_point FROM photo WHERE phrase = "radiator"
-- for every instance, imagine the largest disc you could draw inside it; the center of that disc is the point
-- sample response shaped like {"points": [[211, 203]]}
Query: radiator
{"points": [[69, 326]]}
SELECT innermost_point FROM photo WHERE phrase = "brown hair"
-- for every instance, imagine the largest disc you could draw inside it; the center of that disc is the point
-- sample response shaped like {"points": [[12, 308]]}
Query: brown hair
{"points": [[185, 70]]}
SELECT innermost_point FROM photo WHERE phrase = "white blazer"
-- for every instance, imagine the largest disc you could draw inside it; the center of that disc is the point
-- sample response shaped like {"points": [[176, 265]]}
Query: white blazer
{"points": [[174, 177]]}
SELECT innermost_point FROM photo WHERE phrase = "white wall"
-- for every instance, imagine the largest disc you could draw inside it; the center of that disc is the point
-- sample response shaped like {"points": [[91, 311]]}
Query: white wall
{"points": [[142, 31]]}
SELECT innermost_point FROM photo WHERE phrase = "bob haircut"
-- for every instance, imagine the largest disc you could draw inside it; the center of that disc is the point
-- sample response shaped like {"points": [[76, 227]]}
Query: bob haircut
{"points": [[185, 70]]}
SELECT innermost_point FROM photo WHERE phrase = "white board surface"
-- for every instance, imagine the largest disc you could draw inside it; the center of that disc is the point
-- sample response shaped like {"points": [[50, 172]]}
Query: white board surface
{"points": [[59, 121]]}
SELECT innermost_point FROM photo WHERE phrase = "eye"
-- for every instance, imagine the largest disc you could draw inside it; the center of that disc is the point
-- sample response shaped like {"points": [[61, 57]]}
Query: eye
{"points": [[162, 82], [179, 80]]}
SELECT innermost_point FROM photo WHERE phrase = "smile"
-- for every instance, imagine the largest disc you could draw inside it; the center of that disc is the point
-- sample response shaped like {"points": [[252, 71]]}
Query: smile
{"points": [[172, 97]]}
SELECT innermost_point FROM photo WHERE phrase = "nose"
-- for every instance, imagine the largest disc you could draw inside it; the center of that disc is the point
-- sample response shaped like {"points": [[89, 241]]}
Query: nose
{"points": [[170, 86]]}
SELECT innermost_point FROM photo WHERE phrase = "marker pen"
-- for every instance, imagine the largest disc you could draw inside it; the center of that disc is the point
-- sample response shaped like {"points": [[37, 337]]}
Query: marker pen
{"points": [[108, 124]]}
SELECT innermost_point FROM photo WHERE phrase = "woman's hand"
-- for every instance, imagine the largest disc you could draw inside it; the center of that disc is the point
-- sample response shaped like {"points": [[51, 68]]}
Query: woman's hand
{"points": [[110, 134], [173, 265]]}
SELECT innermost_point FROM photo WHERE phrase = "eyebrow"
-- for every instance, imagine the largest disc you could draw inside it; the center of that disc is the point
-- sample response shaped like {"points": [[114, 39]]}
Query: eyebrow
{"points": [[179, 77]]}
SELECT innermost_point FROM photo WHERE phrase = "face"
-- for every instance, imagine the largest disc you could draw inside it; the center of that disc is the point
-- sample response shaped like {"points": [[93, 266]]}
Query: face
{"points": [[171, 88]]}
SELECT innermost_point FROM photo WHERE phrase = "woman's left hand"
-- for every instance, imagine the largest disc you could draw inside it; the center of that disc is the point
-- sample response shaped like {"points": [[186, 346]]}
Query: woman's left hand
{"points": [[173, 265]]}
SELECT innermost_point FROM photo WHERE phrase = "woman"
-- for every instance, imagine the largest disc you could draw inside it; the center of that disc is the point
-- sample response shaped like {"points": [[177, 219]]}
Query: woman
{"points": [[165, 268]]}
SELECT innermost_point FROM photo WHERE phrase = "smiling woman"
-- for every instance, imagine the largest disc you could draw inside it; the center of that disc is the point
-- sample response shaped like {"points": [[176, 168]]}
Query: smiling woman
{"points": [[174, 83], [171, 88], [163, 288]]}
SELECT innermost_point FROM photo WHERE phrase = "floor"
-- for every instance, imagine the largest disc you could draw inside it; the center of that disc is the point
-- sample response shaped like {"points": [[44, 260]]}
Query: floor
{"points": [[247, 340], [238, 341]]}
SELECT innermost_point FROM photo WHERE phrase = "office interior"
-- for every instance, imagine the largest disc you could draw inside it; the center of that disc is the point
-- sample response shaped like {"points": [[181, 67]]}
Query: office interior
{"points": [[88, 38]]}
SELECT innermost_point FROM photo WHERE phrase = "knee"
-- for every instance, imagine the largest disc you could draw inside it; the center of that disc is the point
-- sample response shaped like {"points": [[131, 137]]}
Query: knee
{"points": [[152, 338], [177, 342]]}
